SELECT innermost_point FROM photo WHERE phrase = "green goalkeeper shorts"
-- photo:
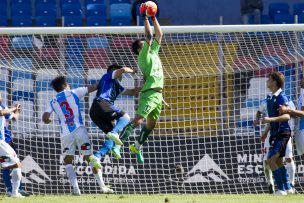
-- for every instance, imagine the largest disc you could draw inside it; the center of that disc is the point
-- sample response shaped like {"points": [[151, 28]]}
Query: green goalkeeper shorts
{"points": [[150, 104]]}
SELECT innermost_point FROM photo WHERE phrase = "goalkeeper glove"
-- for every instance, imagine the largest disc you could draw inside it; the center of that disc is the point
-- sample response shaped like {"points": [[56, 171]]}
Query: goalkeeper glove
{"points": [[142, 10]]}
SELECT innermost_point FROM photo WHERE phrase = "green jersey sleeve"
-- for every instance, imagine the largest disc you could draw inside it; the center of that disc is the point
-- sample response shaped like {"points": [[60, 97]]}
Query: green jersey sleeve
{"points": [[155, 46]]}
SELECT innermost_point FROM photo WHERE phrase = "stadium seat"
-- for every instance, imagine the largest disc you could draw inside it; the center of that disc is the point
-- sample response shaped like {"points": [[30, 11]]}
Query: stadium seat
{"points": [[120, 21], [22, 21], [94, 2], [4, 77], [283, 19], [22, 63], [121, 42], [4, 47], [3, 9], [43, 98], [96, 20], [96, 58], [53, 2], [95, 73], [96, 9], [120, 2], [257, 88], [120, 10], [21, 84], [21, 2], [70, 2], [48, 75], [265, 19], [22, 42], [301, 18], [278, 8], [45, 10], [97, 42], [298, 9], [72, 21], [48, 53], [45, 21], [3, 21], [71, 10], [4, 94], [21, 10]]}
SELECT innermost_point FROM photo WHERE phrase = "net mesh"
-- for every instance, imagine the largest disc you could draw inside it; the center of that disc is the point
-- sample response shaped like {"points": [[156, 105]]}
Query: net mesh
{"points": [[204, 141]]}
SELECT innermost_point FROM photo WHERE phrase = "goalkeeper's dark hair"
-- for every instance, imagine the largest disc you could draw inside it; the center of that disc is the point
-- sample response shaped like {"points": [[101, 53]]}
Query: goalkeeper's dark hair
{"points": [[113, 67], [136, 46], [58, 83], [278, 77]]}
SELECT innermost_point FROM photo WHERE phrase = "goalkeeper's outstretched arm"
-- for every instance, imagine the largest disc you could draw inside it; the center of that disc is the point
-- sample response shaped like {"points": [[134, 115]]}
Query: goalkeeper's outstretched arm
{"points": [[157, 29], [148, 32]]}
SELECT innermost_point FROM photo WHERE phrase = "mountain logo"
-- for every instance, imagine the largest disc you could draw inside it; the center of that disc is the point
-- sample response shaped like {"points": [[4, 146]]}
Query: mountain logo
{"points": [[206, 170], [33, 172]]}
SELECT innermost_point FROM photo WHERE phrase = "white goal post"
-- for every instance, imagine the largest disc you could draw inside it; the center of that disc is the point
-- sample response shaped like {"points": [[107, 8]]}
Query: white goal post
{"points": [[215, 79]]}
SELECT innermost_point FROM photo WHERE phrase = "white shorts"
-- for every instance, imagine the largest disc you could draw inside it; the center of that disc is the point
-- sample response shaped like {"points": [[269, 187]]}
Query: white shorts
{"points": [[288, 152], [299, 140], [8, 156], [80, 139]]}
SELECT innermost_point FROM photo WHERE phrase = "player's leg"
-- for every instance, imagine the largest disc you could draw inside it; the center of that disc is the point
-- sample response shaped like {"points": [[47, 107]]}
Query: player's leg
{"points": [[11, 161], [85, 148], [267, 170], [290, 164], [299, 141], [7, 181], [68, 148]]}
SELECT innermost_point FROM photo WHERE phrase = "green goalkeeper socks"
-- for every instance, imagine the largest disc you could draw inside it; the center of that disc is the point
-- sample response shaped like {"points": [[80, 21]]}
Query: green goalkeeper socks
{"points": [[126, 132], [144, 133]]}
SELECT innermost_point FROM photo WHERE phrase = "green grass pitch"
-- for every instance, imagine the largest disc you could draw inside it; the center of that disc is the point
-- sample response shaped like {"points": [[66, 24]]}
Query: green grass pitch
{"points": [[157, 199]]}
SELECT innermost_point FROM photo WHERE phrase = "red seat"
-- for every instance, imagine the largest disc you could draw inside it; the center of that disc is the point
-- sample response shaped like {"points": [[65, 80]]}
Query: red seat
{"points": [[96, 58], [121, 42], [280, 51], [244, 62], [4, 47], [264, 72], [48, 53]]}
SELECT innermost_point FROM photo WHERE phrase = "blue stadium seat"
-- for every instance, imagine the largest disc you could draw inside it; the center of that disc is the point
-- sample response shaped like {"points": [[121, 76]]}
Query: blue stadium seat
{"points": [[71, 9], [301, 18], [74, 43], [45, 21], [265, 19], [45, 10], [94, 2], [3, 9], [3, 21], [120, 10], [21, 1], [22, 63], [96, 9], [22, 21], [72, 21], [120, 21], [21, 9], [23, 95], [75, 82], [97, 42], [278, 8], [298, 9], [53, 2], [20, 42], [69, 2], [120, 2], [96, 20], [283, 19]]}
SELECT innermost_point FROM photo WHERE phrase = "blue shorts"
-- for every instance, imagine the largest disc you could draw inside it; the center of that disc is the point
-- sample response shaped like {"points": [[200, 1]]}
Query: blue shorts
{"points": [[278, 144], [7, 134]]}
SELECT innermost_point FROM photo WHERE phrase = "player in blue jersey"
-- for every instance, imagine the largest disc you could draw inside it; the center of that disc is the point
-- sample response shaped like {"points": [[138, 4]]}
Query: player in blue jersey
{"points": [[8, 157], [6, 172], [74, 135], [280, 131], [104, 113]]}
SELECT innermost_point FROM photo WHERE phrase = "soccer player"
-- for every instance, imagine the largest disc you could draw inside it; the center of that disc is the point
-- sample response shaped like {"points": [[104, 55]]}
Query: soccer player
{"points": [[8, 157], [280, 131], [299, 112], [104, 113], [150, 103], [290, 164], [6, 172], [66, 105]]}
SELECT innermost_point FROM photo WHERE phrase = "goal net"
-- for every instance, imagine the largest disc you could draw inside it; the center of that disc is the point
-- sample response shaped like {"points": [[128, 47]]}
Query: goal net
{"points": [[215, 79]]}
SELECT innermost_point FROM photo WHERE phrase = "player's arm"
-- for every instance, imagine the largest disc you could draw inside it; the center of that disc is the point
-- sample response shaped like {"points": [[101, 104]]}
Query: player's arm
{"points": [[265, 132], [118, 73], [281, 118], [157, 30], [292, 112], [8, 111], [92, 88], [131, 92], [148, 32], [258, 116], [46, 116]]}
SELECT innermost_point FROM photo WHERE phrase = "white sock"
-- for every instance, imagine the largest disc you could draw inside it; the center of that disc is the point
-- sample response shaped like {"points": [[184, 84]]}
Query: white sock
{"points": [[71, 176], [16, 178], [291, 170], [99, 179], [137, 145], [268, 173]]}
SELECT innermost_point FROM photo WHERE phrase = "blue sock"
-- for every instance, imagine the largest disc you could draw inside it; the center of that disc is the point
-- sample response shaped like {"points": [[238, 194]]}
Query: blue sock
{"points": [[121, 123], [284, 175], [278, 179], [7, 179], [106, 147]]}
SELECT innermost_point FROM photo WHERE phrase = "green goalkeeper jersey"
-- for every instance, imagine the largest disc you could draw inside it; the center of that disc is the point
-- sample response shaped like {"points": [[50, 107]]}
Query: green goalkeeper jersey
{"points": [[151, 67]]}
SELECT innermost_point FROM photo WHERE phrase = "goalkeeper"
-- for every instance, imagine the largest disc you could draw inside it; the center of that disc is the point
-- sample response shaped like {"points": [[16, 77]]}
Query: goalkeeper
{"points": [[150, 103]]}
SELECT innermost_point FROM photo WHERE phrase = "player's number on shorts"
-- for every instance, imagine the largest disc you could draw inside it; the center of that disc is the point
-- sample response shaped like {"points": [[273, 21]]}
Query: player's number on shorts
{"points": [[68, 112]]}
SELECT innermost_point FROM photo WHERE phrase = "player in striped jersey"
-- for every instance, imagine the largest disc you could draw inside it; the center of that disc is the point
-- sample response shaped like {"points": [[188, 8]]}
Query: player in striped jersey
{"points": [[104, 113], [8, 156], [74, 135]]}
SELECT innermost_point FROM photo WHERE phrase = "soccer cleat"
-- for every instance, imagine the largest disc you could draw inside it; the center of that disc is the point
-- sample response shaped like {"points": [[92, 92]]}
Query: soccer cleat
{"points": [[23, 193], [291, 191], [9, 194], [95, 162], [106, 190], [116, 152], [270, 189], [76, 192], [114, 137], [139, 156], [16, 195], [280, 192]]}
